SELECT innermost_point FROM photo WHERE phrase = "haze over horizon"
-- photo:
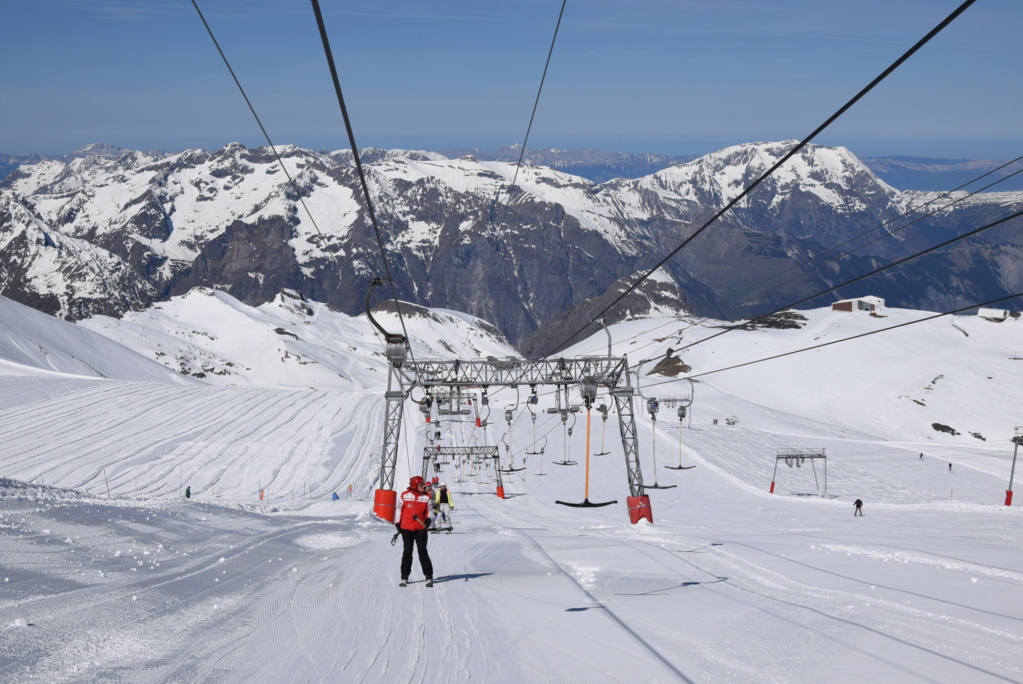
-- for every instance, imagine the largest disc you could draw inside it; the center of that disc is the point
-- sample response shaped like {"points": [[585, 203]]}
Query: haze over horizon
{"points": [[645, 77]]}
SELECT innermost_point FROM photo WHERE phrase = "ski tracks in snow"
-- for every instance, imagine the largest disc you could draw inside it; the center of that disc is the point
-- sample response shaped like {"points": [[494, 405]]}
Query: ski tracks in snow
{"points": [[634, 575]]}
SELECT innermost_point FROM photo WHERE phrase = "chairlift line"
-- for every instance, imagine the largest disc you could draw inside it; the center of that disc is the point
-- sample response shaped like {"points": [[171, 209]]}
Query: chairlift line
{"points": [[791, 153]]}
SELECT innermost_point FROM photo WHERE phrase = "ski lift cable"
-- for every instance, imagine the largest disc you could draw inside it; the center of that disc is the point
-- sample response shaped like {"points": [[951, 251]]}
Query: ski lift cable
{"points": [[897, 262], [358, 165], [698, 321], [893, 264], [799, 146], [847, 339], [525, 141], [269, 142], [889, 233], [536, 103]]}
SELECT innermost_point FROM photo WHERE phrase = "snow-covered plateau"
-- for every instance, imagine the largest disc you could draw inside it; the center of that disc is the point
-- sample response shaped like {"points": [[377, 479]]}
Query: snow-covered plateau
{"points": [[109, 574]]}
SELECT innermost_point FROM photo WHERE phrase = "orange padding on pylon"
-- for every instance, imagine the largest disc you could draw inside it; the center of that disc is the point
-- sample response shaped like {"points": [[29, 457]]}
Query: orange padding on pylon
{"points": [[639, 509], [500, 492], [384, 504]]}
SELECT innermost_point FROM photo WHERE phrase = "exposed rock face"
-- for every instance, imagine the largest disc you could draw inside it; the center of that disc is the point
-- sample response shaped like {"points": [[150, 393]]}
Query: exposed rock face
{"points": [[116, 230]]}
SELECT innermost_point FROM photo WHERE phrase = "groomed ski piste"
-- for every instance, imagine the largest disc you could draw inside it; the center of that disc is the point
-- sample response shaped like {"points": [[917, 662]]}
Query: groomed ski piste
{"points": [[107, 573]]}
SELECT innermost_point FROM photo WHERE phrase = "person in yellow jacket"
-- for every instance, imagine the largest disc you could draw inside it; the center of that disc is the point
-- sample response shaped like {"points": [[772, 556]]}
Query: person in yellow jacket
{"points": [[443, 504]]}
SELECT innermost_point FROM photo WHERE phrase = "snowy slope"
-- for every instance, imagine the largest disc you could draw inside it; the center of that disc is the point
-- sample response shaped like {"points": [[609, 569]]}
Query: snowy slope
{"points": [[289, 342], [730, 583], [33, 343]]}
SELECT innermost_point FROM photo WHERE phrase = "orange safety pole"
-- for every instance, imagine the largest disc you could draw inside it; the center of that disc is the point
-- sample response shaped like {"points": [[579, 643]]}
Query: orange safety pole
{"points": [[587, 497]]}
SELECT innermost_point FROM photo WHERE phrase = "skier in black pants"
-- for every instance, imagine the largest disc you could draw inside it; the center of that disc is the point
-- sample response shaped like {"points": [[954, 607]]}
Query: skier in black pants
{"points": [[857, 507], [413, 525]]}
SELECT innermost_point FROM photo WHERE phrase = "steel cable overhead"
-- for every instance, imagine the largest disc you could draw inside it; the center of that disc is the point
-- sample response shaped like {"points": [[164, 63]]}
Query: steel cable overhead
{"points": [[866, 275], [946, 243], [536, 103], [947, 313], [856, 98], [823, 262], [358, 165], [699, 320], [844, 339], [273, 148], [848, 252], [893, 264], [525, 142]]}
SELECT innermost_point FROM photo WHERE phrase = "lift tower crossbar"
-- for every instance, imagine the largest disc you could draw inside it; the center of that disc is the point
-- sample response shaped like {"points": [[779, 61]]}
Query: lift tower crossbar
{"points": [[484, 373], [445, 378]]}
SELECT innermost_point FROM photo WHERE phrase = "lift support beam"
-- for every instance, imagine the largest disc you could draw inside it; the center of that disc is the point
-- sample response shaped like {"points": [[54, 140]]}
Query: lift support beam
{"points": [[480, 454], [439, 377]]}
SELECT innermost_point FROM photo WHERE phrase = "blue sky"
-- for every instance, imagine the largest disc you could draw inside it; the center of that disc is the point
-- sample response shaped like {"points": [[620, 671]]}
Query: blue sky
{"points": [[657, 76]]}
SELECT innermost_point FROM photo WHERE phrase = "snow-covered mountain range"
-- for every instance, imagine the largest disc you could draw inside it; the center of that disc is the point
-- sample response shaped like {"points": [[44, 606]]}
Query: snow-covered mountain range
{"points": [[108, 234]]}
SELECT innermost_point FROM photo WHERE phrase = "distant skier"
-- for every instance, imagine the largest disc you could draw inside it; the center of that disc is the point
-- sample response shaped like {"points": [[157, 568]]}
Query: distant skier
{"points": [[443, 504], [921, 455], [334, 497], [413, 525], [950, 466], [188, 492], [857, 507]]}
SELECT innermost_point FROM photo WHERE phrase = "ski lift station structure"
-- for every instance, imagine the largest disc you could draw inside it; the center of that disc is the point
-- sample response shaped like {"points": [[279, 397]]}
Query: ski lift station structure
{"points": [[439, 378]]}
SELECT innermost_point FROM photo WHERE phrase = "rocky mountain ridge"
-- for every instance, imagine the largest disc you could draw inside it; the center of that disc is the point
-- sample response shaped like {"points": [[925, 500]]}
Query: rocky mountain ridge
{"points": [[108, 233]]}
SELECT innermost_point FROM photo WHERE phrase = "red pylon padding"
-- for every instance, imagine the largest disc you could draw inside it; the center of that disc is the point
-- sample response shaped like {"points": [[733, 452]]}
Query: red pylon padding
{"points": [[500, 492], [1008, 497], [384, 504], [639, 509], [772, 488]]}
